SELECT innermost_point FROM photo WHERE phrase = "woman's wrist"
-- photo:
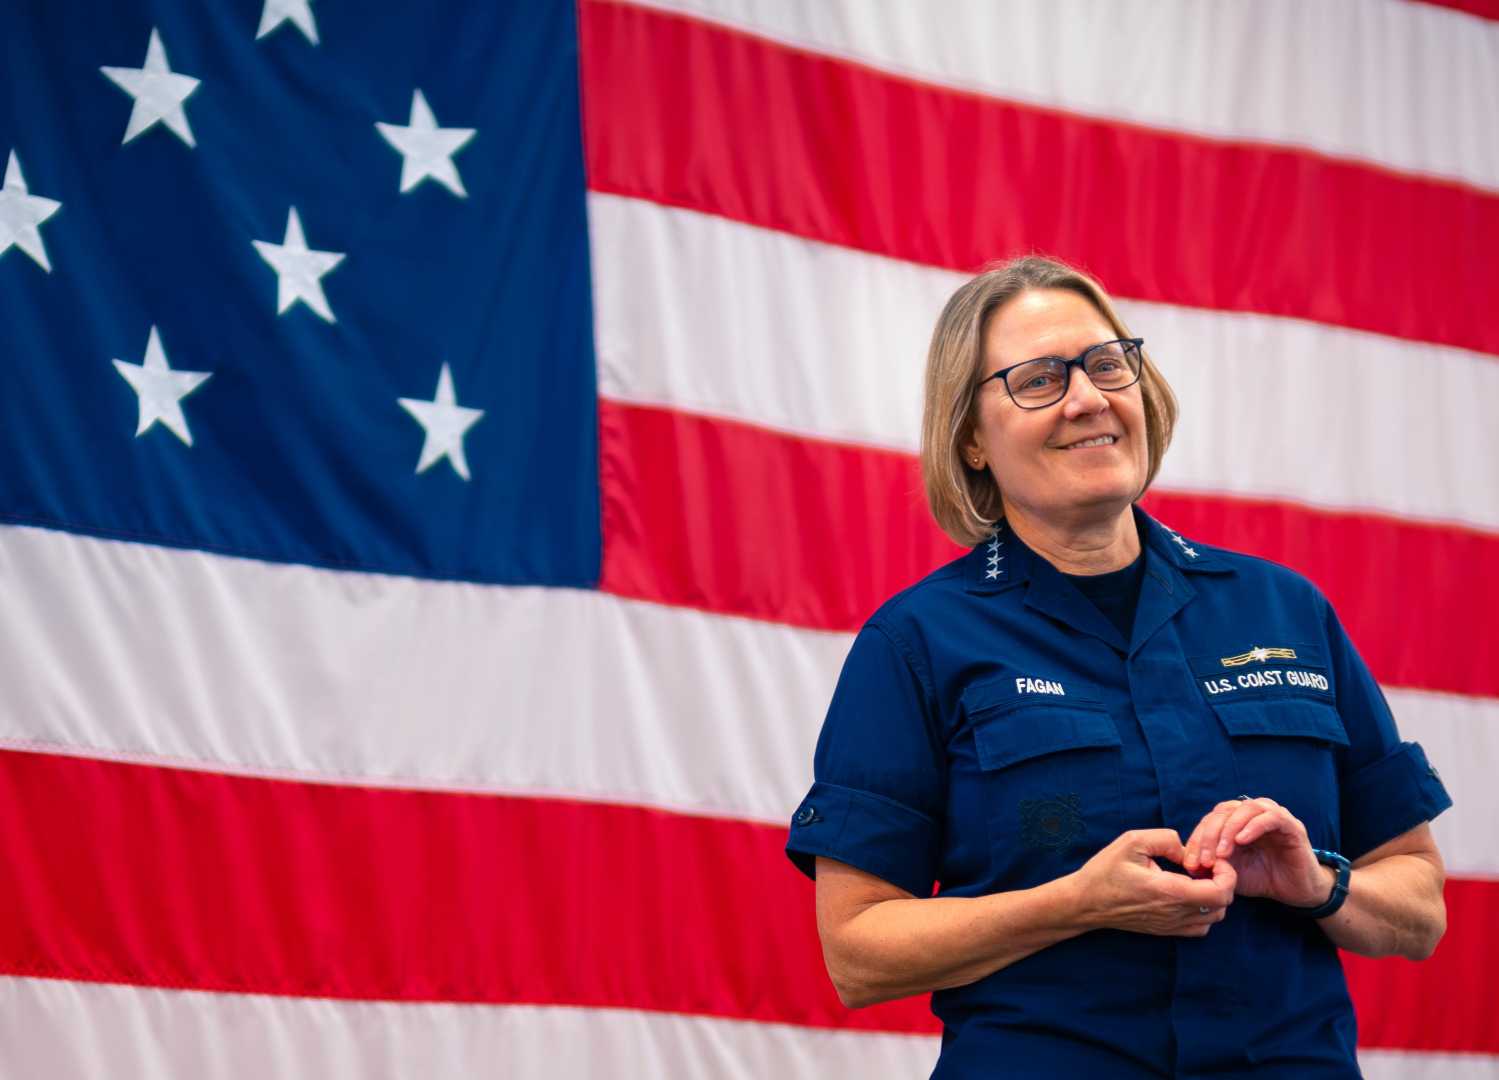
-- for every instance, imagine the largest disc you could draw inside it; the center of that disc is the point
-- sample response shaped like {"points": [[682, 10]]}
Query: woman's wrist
{"points": [[1326, 879], [1073, 900]]}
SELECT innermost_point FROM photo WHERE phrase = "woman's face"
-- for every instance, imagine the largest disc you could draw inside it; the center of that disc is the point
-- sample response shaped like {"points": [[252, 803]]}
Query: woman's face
{"points": [[1034, 453]]}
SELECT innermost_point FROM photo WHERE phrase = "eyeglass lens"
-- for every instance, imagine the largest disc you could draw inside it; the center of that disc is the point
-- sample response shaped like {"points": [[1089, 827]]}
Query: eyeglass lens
{"points": [[1112, 365]]}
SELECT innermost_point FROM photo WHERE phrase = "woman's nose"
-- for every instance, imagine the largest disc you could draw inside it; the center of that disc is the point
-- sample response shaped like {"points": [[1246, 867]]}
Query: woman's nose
{"points": [[1082, 398]]}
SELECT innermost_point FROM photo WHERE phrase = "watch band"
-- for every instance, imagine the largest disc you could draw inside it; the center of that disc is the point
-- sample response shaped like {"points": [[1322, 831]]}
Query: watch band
{"points": [[1339, 887]]}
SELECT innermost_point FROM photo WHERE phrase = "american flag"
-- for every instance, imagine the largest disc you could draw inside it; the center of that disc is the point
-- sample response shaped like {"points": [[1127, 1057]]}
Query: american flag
{"points": [[448, 450]]}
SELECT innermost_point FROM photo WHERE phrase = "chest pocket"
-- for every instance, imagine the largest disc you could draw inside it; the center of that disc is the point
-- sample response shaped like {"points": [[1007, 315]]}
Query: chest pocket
{"points": [[1286, 747], [1050, 777]]}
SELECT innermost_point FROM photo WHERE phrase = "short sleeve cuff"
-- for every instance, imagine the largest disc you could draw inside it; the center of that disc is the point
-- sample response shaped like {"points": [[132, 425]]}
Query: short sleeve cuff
{"points": [[877, 835], [1389, 797]]}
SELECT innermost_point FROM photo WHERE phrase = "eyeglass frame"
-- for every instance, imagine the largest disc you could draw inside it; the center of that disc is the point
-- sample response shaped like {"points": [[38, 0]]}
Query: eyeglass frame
{"points": [[1067, 365]]}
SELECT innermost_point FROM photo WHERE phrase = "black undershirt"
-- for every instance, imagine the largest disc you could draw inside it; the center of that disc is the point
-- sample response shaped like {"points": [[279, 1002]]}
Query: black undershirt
{"points": [[1116, 593]]}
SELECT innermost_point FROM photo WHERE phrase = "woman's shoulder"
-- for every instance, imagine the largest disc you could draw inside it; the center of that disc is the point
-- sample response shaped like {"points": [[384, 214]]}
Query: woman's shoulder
{"points": [[1225, 563], [1259, 572], [927, 598]]}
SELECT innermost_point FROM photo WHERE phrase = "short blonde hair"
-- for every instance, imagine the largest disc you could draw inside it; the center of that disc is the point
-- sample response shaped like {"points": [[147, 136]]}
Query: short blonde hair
{"points": [[964, 500]]}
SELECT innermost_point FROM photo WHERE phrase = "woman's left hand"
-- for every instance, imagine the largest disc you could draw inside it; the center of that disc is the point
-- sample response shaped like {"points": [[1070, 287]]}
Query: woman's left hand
{"points": [[1268, 847]]}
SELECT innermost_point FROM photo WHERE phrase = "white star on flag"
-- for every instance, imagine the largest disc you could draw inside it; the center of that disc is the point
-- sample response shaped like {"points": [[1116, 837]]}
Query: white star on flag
{"points": [[160, 390], [21, 213], [158, 93], [426, 149], [299, 270], [296, 12], [445, 422]]}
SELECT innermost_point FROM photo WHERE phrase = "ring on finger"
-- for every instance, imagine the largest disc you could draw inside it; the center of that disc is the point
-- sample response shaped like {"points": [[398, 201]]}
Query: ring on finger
{"points": [[1203, 910]]}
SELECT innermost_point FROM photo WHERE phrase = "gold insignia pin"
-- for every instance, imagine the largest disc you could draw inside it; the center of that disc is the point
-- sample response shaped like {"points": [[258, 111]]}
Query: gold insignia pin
{"points": [[1258, 654]]}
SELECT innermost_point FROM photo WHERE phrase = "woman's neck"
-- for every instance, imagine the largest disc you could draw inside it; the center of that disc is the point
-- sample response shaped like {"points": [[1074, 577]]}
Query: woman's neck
{"points": [[1082, 545]]}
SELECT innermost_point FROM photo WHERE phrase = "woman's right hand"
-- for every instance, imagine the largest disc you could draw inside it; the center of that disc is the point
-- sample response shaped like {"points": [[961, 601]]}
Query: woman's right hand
{"points": [[1122, 888]]}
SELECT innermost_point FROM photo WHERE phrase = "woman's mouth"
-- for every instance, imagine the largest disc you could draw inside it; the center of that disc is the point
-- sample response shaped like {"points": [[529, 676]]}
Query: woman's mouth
{"points": [[1101, 440]]}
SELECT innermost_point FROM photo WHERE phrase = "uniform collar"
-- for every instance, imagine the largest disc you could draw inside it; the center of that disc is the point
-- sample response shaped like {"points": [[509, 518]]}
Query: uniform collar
{"points": [[1003, 562], [1183, 554]]}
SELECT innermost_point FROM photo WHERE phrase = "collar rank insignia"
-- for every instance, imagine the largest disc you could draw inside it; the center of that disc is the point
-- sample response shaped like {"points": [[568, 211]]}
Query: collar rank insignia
{"points": [[1187, 549], [995, 558], [1258, 654]]}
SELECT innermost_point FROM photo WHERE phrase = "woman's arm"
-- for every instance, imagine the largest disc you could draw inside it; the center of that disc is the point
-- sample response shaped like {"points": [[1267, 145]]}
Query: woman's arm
{"points": [[880, 942], [1394, 905]]}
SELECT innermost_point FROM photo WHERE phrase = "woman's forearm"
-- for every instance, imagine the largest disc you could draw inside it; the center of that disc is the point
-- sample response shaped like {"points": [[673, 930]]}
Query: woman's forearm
{"points": [[880, 942], [1394, 908], [895, 948]]}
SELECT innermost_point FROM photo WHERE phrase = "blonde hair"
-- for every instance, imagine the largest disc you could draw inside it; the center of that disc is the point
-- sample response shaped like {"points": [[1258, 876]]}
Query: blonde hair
{"points": [[964, 500]]}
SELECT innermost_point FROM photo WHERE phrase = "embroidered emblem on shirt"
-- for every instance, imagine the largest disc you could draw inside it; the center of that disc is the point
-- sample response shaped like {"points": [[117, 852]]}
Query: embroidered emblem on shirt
{"points": [[1258, 655], [1053, 822]]}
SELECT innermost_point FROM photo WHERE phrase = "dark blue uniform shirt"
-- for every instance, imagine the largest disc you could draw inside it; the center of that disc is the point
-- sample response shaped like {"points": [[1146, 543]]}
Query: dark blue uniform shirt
{"points": [[992, 730]]}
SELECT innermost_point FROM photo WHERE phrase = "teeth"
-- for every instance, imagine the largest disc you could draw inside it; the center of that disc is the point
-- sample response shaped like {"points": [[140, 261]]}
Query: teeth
{"points": [[1102, 440]]}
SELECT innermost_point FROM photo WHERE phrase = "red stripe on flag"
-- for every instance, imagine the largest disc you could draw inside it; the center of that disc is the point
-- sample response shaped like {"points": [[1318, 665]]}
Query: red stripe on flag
{"points": [[1441, 1003], [692, 114], [169, 877], [823, 533], [727, 517], [1484, 9]]}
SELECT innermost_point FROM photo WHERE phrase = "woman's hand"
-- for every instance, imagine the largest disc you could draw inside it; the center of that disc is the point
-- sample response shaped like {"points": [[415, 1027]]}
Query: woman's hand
{"points": [[1267, 845], [1123, 888]]}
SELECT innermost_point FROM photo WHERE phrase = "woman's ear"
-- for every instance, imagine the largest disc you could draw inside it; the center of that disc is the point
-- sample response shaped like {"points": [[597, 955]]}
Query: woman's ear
{"points": [[973, 454]]}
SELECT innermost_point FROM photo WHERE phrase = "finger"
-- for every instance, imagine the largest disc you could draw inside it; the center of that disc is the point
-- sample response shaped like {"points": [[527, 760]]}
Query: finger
{"points": [[1226, 877], [1198, 844], [1210, 831], [1148, 842], [1243, 814], [1210, 893], [1280, 820]]}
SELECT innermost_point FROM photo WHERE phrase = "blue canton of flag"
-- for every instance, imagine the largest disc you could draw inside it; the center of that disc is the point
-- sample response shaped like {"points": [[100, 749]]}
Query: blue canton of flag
{"points": [[306, 286]]}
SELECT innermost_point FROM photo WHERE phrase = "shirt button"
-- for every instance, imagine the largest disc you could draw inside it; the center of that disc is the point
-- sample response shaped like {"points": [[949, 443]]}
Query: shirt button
{"points": [[806, 815]]}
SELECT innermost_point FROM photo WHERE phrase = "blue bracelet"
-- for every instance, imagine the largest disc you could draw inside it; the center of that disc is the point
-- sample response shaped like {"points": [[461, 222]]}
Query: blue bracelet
{"points": [[1339, 887]]}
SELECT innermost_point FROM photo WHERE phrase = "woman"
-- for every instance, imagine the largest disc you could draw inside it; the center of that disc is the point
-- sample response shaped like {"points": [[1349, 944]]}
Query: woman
{"points": [[1037, 725]]}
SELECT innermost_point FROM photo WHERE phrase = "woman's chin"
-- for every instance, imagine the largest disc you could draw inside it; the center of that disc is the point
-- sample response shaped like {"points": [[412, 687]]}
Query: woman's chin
{"points": [[1116, 489]]}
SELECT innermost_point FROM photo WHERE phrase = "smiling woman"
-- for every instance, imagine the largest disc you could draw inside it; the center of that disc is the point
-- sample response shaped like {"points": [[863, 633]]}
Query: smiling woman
{"points": [[982, 332], [1038, 724]]}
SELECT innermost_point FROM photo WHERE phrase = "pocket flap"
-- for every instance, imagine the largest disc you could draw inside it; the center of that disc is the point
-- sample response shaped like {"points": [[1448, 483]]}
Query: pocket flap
{"points": [[1292, 717], [1032, 729]]}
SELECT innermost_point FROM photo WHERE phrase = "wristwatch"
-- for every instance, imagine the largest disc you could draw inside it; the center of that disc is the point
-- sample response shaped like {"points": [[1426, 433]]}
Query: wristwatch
{"points": [[1339, 887]]}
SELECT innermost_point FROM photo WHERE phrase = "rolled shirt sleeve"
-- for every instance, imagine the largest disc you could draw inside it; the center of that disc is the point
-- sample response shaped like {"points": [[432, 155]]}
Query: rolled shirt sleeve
{"points": [[1387, 787], [880, 772]]}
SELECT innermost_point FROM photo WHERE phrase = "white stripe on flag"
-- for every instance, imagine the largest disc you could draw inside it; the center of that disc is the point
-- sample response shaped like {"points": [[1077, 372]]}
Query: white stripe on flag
{"points": [[1411, 1065], [89, 1031], [236, 665], [1382, 81], [716, 317]]}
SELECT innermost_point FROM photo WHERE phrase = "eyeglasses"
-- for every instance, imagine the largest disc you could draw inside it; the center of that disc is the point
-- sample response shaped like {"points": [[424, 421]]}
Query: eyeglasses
{"points": [[1035, 384]]}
